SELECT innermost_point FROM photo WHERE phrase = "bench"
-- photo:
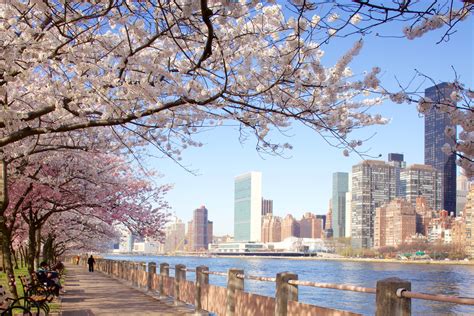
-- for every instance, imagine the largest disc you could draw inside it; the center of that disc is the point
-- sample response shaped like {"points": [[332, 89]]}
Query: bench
{"points": [[36, 294], [10, 306]]}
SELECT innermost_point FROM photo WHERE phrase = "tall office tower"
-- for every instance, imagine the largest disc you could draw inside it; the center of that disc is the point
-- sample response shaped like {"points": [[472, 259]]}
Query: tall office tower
{"points": [[422, 180], [311, 226], [435, 125], [373, 184], [200, 225], [462, 186], [248, 207], [340, 186], [210, 232], [267, 207], [348, 228], [289, 227], [395, 222], [468, 215], [397, 161]]}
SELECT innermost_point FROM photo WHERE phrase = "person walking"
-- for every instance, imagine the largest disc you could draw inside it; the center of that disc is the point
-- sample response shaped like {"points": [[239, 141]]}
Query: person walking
{"points": [[91, 262]]}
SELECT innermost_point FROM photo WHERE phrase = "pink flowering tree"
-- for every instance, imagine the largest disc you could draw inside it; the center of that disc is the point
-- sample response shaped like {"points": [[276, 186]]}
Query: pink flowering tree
{"points": [[86, 185]]}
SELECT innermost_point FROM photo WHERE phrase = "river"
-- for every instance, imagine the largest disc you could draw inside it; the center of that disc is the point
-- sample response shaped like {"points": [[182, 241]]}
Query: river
{"points": [[457, 280]]}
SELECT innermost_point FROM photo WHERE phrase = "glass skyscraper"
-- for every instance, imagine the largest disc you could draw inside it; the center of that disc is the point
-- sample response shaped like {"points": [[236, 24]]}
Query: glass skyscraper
{"points": [[248, 207], [435, 124], [340, 186]]}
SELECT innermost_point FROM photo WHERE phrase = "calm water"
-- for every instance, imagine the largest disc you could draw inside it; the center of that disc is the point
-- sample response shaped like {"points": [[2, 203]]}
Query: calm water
{"points": [[455, 280]]}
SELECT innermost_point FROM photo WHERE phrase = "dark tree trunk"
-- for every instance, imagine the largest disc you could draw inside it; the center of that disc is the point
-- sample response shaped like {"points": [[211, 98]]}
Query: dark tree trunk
{"points": [[7, 256], [38, 246], [15, 256], [30, 259]]}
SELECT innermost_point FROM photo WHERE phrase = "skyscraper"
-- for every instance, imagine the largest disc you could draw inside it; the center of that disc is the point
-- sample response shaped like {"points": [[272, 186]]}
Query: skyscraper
{"points": [[397, 161], [200, 228], [248, 207], [340, 186], [267, 207], [435, 124], [422, 180], [373, 184]]}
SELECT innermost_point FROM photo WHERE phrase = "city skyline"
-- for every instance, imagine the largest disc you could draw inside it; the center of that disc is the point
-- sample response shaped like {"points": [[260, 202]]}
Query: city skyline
{"points": [[302, 182]]}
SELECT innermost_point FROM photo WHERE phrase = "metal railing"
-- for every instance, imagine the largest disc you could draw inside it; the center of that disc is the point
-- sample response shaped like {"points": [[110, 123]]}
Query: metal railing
{"points": [[393, 295]]}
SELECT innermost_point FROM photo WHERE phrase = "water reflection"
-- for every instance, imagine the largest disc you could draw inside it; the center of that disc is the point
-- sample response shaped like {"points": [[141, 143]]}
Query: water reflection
{"points": [[437, 279]]}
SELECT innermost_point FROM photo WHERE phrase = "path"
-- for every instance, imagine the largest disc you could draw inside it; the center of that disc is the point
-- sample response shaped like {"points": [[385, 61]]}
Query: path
{"points": [[93, 293]]}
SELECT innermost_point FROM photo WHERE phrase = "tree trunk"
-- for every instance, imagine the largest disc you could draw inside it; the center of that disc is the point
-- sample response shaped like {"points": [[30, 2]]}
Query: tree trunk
{"points": [[30, 259], [15, 256], [10, 273], [38, 246]]}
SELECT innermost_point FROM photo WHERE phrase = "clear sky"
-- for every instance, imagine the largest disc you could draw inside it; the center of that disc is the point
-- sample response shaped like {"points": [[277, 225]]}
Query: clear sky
{"points": [[302, 181]]}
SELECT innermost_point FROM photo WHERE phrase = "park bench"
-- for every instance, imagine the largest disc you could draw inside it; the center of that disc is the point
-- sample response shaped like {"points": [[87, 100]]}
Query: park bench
{"points": [[36, 294], [10, 306]]}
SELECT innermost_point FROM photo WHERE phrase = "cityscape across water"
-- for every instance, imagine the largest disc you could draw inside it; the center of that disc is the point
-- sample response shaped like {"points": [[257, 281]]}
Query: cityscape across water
{"points": [[456, 280]]}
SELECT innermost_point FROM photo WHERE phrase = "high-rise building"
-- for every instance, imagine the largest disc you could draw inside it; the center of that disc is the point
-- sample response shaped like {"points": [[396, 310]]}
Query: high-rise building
{"points": [[435, 137], [373, 184], [175, 235], [200, 227], [323, 219], [462, 186], [311, 226], [422, 180], [340, 186], [210, 232], [424, 214], [468, 215], [289, 227], [271, 228], [328, 223], [248, 207], [267, 207], [395, 222], [397, 161], [348, 229]]}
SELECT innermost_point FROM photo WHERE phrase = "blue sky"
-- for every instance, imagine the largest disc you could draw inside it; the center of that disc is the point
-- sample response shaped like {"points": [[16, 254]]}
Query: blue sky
{"points": [[302, 181]]}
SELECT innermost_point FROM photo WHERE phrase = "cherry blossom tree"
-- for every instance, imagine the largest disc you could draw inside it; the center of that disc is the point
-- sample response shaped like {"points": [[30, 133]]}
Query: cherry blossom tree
{"points": [[93, 188]]}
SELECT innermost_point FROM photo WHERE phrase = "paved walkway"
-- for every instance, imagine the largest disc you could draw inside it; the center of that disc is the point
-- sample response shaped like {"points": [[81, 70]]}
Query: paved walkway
{"points": [[93, 293]]}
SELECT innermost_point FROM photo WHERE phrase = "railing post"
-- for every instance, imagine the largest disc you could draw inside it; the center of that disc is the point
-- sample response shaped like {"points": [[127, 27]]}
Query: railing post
{"points": [[164, 272], [135, 274], [285, 292], [202, 279], [387, 301], [143, 279], [233, 283], [179, 275], [150, 275]]}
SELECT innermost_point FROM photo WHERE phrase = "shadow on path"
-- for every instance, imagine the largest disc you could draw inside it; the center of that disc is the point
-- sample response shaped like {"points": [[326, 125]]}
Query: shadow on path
{"points": [[93, 293]]}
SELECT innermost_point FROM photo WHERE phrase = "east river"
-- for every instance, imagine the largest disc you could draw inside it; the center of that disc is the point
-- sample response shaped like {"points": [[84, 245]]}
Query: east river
{"points": [[457, 280]]}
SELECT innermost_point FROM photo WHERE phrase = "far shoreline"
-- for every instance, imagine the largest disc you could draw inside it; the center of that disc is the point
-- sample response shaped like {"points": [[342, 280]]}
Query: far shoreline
{"points": [[343, 259]]}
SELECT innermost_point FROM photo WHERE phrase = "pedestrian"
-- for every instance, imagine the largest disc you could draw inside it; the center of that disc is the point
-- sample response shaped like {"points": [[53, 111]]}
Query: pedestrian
{"points": [[78, 258], [91, 262]]}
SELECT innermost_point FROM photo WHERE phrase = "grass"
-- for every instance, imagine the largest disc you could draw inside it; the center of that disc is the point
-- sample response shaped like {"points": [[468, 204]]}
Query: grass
{"points": [[54, 306]]}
